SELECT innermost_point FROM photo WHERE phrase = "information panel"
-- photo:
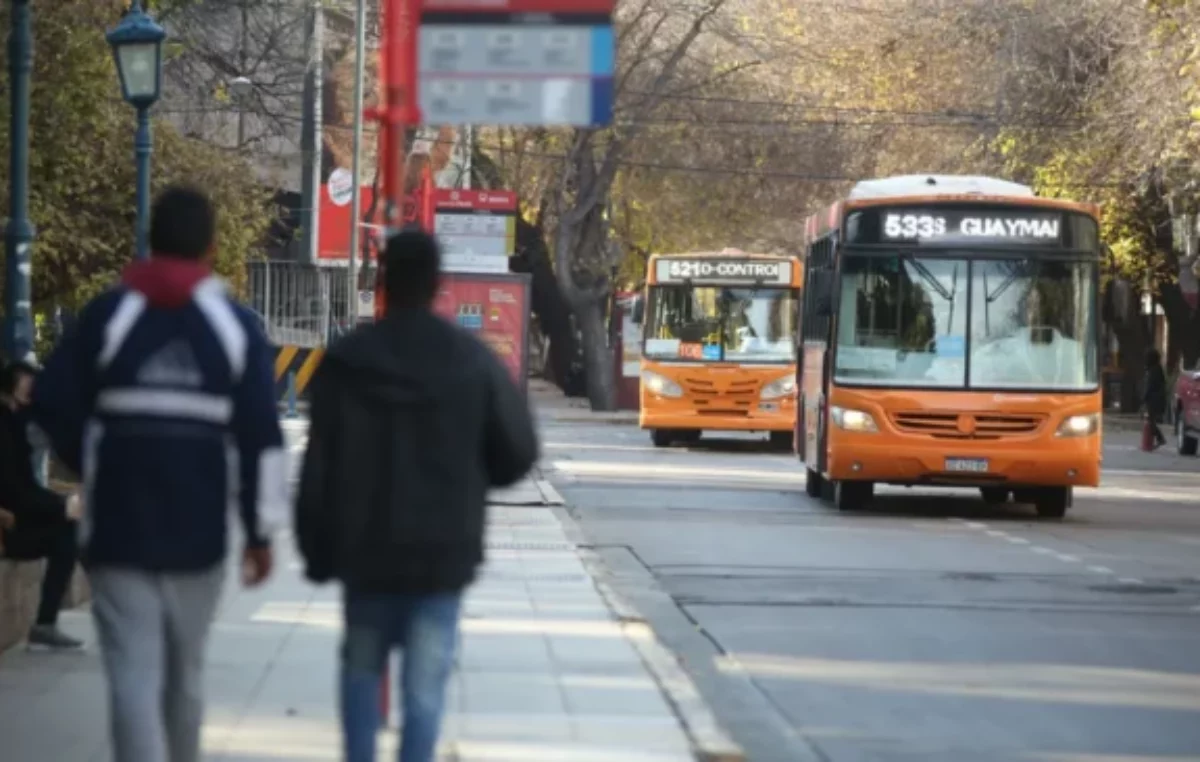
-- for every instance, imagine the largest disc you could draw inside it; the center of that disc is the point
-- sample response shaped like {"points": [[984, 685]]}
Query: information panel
{"points": [[517, 62], [477, 229], [494, 307], [1020, 227], [724, 271]]}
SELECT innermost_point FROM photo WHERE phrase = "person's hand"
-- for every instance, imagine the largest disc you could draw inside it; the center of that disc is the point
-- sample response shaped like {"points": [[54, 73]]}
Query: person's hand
{"points": [[7, 519], [256, 566], [75, 507]]}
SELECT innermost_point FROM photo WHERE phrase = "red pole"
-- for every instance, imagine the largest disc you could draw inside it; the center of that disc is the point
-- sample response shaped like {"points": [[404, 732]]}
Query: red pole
{"points": [[400, 110]]}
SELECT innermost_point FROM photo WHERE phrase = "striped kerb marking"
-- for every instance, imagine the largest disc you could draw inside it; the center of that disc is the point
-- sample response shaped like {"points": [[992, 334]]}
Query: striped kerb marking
{"points": [[302, 361]]}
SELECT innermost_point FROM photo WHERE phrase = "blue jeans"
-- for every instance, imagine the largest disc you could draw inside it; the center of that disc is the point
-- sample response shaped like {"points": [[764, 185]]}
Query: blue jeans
{"points": [[425, 628]]}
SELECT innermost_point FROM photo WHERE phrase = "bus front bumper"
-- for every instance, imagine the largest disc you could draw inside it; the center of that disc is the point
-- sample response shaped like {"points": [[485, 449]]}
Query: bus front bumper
{"points": [[783, 420], [1057, 463]]}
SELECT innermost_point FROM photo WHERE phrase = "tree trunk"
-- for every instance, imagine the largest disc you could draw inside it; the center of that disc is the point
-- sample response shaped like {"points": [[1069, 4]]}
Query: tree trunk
{"points": [[598, 355], [1134, 338], [552, 310], [1183, 342]]}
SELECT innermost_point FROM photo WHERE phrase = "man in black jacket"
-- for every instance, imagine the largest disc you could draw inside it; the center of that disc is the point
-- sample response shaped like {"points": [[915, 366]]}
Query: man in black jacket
{"points": [[40, 523], [412, 421]]}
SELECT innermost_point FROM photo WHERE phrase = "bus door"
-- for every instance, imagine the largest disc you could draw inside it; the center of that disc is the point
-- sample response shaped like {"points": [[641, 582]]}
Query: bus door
{"points": [[813, 364]]}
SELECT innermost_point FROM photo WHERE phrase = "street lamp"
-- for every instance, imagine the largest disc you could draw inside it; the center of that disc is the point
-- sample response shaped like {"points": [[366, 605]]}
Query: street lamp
{"points": [[137, 47]]}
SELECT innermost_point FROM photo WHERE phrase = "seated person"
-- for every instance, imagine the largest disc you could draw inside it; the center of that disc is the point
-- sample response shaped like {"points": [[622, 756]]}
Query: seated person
{"points": [[36, 522]]}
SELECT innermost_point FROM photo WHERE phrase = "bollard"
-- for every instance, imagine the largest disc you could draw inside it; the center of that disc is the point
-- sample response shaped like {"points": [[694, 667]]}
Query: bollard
{"points": [[291, 411]]}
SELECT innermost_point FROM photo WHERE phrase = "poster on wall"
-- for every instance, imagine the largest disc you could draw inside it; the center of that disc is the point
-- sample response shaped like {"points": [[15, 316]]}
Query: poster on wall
{"points": [[478, 229], [495, 307], [333, 235], [631, 336]]}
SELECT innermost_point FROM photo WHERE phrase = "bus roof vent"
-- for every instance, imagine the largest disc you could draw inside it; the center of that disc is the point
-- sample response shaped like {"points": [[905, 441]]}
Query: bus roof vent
{"points": [[938, 185]]}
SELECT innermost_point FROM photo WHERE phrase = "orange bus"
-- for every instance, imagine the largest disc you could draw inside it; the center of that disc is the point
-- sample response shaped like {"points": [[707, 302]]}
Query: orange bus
{"points": [[719, 346], [950, 336]]}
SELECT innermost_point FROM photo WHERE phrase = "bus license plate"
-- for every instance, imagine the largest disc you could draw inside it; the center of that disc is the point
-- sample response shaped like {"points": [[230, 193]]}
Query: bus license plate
{"points": [[967, 465]]}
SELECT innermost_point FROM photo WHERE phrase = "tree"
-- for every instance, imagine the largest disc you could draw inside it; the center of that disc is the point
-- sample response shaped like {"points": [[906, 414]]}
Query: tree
{"points": [[654, 40], [82, 190]]}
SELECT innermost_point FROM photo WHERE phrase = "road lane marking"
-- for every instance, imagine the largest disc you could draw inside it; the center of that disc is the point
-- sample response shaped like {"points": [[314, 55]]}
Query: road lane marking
{"points": [[1066, 559], [1042, 551], [996, 533], [1017, 540], [1130, 581], [1100, 570]]}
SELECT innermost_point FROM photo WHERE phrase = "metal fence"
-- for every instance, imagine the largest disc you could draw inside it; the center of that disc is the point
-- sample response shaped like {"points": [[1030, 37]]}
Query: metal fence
{"points": [[299, 303]]}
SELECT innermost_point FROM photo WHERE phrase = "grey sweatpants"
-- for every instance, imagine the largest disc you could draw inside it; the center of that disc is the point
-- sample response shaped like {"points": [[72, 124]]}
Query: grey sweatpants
{"points": [[153, 630]]}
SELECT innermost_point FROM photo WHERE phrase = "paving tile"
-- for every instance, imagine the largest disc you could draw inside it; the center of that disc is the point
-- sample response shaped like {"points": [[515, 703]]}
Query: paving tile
{"points": [[482, 731], [512, 693], [643, 734], [615, 699], [570, 651]]}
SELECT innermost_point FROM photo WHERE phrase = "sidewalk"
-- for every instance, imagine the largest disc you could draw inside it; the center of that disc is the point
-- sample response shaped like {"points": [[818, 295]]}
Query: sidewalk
{"points": [[547, 673]]}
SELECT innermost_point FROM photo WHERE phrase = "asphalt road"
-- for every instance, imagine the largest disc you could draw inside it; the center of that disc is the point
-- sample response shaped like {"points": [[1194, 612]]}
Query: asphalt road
{"points": [[929, 628]]}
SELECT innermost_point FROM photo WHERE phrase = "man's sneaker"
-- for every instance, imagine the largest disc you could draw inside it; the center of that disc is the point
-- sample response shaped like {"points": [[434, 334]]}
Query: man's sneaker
{"points": [[49, 636]]}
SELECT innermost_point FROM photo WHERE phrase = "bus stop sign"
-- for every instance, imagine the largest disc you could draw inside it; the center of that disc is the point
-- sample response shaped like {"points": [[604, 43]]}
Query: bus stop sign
{"points": [[516, 62]]}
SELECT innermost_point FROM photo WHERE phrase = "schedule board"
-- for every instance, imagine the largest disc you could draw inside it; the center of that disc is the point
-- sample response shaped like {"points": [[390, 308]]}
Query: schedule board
{"points": [[516, 62], [477, 229]]}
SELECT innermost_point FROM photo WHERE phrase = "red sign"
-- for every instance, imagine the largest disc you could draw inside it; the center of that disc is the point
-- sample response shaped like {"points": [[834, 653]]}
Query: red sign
{"points": [[519, 6], [333, 233], [495, 307], [476, 200]]}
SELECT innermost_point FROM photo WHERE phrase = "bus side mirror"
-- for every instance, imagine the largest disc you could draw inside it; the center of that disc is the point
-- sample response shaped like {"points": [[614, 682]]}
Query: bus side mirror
{"points": [[639, 311]]}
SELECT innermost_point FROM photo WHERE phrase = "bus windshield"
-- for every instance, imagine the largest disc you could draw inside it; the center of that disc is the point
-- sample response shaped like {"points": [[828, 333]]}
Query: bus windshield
{"points": [[904, 321], [721, 324]]}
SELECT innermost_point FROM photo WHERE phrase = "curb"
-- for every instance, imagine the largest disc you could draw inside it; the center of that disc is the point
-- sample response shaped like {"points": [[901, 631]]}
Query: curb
{"points": [[586, 418], [710, 742]]}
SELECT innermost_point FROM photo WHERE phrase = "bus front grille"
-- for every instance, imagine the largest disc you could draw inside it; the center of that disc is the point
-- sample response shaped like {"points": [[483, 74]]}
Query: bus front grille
{"points": [[729, 398], [968, 425]]}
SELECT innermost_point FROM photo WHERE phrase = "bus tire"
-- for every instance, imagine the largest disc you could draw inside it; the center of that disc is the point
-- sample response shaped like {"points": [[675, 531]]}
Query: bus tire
{"points": [[852, 496], [781, 441], [994, 495], [1053, 502], [661, 437], [688, 436], [812, 483]]}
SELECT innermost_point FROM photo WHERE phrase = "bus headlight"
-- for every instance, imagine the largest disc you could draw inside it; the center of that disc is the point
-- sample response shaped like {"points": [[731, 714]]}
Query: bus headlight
{"points": [[661, 385], [853, 420], [1079, 425], [780, 387]]}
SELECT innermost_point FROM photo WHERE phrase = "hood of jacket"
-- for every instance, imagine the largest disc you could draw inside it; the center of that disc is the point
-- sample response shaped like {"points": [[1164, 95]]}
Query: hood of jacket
{"points": [[410, 358], [165, 281]]}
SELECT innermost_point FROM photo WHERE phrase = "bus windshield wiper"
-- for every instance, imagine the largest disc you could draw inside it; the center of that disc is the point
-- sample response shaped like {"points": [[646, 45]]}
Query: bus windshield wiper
{"points": [[931, 280]]}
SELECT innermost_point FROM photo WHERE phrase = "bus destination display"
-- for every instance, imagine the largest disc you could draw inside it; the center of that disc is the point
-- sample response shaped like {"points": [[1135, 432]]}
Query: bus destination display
{"points": [[970, 225], [723, 271]]}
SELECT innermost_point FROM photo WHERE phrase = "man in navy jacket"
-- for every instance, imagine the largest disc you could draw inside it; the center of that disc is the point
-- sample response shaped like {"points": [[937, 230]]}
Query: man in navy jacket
{"points": [[162, 398]]}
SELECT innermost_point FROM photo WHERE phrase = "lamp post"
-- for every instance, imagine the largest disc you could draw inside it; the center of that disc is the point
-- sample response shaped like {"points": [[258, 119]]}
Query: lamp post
{"points": [[18, 232], [137, 47]]}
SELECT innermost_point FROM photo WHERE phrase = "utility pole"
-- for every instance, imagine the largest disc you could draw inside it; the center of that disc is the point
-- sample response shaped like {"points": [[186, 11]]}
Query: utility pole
{"points": [[360, 55], [18, 233], [312, 144]]}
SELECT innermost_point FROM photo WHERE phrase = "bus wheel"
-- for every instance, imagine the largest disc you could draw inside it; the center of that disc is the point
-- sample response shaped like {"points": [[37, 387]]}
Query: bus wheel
{"points": [[661, 437], [691, 436], [852, 496], [781, 440], [812, 483], [1053, 502], [994, 495]]}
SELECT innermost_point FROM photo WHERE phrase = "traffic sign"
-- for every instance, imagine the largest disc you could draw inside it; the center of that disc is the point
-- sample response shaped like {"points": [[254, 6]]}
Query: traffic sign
{"points": [[516, 62]]}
